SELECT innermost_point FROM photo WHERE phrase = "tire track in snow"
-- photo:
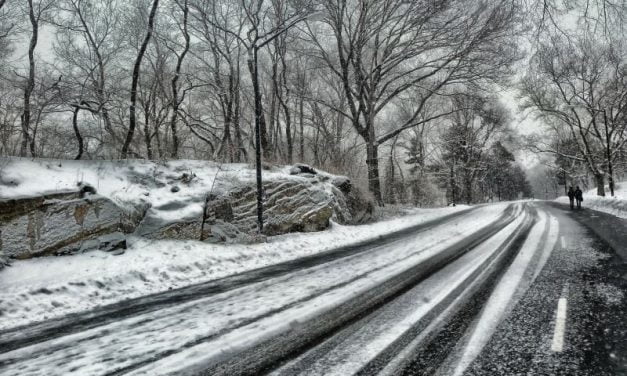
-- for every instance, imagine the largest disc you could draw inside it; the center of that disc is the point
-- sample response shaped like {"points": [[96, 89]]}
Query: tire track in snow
{"points": [[29, 334], [103, 358], [536, 250], [367, 345]]}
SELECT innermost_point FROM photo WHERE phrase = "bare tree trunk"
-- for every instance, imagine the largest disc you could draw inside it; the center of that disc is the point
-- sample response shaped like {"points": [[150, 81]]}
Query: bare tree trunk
{"points": [[77, 132], [452, 183], [468, 187], [175, 90], [600, 183], [269, 142], [372, 160], [239, 145], [30, 84], [390, 179], [135, 82], [147, 132]]}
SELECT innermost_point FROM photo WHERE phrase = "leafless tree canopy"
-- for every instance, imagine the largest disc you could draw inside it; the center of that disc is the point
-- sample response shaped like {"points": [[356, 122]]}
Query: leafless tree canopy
{"points": [[367, 88]]}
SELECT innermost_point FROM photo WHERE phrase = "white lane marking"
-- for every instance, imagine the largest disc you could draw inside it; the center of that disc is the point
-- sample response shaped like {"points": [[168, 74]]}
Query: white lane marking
{"points": [[563, 241], [560, 322]]}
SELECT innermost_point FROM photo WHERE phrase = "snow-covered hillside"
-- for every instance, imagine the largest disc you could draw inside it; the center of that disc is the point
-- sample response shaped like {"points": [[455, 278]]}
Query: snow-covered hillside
{"points": [[616, 205]]}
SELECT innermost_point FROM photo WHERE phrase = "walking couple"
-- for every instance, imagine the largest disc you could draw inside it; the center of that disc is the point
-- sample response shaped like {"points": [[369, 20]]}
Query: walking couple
{"points": [[573, 195]]}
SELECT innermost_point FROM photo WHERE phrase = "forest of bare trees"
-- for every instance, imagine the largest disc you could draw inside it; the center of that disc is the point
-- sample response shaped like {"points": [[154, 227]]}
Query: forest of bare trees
{"points": [[576, 84], [397, 94]]}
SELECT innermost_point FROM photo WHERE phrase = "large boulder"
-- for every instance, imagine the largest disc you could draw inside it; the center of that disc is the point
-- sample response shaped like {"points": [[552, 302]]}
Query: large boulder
{"points": [[55, 224], [289, 206]]}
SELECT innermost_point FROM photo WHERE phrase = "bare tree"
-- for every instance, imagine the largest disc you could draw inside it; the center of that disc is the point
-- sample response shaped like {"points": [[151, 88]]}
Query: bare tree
{"points": [[259, 35], [213, 24], [35, 10], [180, 57], [578, 83], [135, 79], [384, 48], [87, 44]]}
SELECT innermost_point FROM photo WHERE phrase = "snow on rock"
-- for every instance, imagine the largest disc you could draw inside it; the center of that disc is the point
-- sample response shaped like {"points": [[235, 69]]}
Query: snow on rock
{"points": [[183, 200], [616, 205]]}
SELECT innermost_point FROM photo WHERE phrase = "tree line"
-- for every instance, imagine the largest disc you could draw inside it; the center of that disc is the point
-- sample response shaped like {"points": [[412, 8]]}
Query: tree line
{"points": [[576, 84], [395, 93]]}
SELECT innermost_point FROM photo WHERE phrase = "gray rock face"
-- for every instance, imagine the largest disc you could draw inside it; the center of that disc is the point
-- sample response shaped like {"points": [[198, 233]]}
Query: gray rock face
{"points": [[55, 224], [67, 222], [352, 205], [342, 183], [360, 207], [289, 206], [183, 229], [107, 243]]}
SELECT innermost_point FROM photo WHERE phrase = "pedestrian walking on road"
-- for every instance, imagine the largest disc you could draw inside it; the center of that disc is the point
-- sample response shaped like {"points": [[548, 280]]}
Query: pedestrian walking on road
{"points": [[578, 197], [571, 197]]}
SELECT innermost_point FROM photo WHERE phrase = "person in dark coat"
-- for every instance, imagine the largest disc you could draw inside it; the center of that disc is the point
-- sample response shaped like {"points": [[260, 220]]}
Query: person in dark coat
{"points": [[578, 197], [571, 197]]}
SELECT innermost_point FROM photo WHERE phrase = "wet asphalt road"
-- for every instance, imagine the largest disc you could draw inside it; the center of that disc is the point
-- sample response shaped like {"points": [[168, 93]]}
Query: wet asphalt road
{"points": [[588, 269], [584, 272]]}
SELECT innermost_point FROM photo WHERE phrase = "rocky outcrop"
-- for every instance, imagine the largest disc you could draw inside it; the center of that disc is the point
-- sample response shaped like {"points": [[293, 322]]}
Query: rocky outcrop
{"points": [[56, 224], [289, 206], [300, 168], [78, 221]]}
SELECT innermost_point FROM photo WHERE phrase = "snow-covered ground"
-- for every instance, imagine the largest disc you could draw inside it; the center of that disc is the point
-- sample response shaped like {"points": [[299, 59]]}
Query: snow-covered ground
{"points": [[616, 205], [44, 288]]}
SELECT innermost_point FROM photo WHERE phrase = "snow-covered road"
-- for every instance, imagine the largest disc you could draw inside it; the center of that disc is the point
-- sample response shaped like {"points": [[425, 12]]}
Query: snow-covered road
{"points": [[209, 331], [430, 301]]}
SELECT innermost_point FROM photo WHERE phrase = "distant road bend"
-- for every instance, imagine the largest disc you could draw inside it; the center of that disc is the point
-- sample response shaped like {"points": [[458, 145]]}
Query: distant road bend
{"points": [[372, 308]]}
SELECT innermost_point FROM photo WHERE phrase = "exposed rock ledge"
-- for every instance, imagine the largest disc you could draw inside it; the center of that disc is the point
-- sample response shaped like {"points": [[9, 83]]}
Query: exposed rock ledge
{"points": [[66, 222]]}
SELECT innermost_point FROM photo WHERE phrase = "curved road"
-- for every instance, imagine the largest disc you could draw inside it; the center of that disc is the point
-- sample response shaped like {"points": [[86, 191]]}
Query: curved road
{"points": [[521, 288]]}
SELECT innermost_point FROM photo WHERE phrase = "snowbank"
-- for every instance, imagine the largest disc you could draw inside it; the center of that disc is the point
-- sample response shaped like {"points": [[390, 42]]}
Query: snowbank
{"points": [[616, 205], [44, 288]]}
